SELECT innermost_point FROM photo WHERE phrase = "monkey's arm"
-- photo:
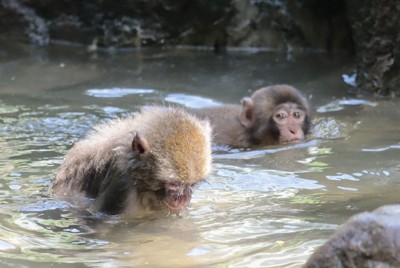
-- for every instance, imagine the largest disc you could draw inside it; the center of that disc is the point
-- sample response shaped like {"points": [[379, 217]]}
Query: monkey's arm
{"points": [[113, 190]]}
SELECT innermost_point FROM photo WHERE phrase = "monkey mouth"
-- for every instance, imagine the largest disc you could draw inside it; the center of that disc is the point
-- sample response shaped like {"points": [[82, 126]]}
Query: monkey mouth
{"points": [[176, 201]]}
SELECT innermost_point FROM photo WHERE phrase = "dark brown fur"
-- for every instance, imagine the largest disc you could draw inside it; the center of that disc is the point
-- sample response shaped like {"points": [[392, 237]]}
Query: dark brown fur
{"points": [[255, 122], [138, 163]]}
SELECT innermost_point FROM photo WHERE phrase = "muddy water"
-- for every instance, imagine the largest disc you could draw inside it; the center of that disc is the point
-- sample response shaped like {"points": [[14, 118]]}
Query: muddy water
{"points": [[269, 207]]}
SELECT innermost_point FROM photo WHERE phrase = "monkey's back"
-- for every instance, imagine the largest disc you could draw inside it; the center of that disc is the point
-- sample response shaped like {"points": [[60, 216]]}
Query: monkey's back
{"points": [[88, 159], [226, 125]]}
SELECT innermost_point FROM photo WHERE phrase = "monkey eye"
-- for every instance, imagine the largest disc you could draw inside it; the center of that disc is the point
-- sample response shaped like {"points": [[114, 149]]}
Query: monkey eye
{"points": [[296, 114], [280, 116]]}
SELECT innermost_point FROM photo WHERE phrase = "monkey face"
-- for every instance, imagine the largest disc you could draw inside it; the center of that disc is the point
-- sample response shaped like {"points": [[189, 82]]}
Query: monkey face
{"points": [[175, 181], [289, 119], [171, 194], [175, 196], [273, 115], [171, 163]]}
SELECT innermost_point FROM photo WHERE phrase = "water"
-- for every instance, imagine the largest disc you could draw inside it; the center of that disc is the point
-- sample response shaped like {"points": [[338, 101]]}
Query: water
{"points": [[270, 207]]}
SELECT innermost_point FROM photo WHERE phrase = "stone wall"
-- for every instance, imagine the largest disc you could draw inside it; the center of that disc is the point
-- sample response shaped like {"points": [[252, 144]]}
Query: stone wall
{"points": [[366, 29]]}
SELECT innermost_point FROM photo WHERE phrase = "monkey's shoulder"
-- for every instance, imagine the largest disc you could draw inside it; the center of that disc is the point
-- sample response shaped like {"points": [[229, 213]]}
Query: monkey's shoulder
{"points": [[104, 142]]}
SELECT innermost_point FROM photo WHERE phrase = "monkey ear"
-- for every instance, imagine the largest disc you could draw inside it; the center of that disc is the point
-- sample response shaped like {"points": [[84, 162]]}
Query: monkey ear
{"points": [[139, 145], [247, 113]]}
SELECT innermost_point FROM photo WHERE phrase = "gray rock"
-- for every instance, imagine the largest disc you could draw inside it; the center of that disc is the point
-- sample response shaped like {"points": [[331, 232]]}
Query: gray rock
{"points": [[278, 25], [375, 26], [367, 29], [368, 239]]}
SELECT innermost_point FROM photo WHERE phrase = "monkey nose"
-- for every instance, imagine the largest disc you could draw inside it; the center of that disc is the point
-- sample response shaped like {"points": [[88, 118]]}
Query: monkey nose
{"points": [[296, 134], [173, 186]]}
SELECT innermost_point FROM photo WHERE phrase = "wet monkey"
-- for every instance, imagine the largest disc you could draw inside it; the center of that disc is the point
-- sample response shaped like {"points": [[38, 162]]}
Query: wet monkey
{"points": [[141, 163], [277, 114]]}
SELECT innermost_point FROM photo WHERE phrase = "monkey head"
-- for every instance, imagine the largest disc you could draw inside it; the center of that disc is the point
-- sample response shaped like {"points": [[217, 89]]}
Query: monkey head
{"points": [[172, 155], [277, 114]]}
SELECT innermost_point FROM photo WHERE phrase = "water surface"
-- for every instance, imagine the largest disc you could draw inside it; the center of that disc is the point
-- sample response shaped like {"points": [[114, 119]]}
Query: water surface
{"points": [[269, 207]]}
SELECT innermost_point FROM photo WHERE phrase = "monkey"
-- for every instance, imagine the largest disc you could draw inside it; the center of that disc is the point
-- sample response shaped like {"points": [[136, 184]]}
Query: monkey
{"points": [[147, 162], [273, 115]]}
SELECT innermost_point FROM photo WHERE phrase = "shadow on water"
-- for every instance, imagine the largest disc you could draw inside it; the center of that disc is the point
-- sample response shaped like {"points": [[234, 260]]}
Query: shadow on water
{"points": [[267, 207]]}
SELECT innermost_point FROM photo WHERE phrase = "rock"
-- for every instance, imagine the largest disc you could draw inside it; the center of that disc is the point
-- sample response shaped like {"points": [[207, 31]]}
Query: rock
{"points": [[367, 29], [375, 26], [288, 24], [369, 239], [19, 21], [280, 25]]}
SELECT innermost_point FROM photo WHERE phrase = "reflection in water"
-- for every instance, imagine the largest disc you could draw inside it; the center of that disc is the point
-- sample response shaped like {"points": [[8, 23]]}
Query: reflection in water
{"points": [[391, 147], [116, 92], [268, 207], [339, 105], [192, 101]]}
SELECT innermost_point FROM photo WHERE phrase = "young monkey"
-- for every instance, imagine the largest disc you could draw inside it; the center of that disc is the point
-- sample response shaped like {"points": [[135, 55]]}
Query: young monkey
{"points": [[277, 114], [139, 163]]}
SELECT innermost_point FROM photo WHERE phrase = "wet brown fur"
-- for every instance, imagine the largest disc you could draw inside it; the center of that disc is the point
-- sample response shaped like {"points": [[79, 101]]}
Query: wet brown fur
{"points": [[172, 147], [227, 121]]}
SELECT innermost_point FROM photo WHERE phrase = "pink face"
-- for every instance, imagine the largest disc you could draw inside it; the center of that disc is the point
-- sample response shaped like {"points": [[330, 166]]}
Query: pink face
{"points": [[289, 120], [176, 197]]}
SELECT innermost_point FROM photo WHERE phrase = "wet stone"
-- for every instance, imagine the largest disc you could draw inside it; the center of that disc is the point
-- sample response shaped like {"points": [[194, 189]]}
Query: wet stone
{"points": [[368, 239]]}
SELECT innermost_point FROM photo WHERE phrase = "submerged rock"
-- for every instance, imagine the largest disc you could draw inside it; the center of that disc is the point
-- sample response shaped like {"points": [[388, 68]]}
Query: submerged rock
{"points": [[369, 239]]}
